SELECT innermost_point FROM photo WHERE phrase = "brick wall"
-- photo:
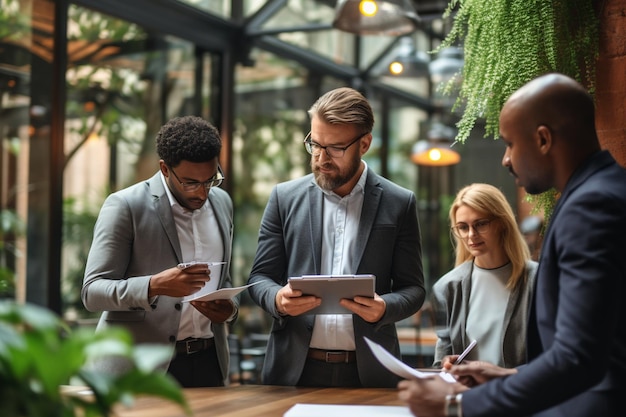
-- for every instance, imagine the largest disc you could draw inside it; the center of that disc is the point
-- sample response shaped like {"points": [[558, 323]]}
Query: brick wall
{"points": [[611, 78]]}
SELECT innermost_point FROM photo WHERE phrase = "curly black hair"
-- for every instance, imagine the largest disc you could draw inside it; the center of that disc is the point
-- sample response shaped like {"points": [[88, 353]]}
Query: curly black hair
{"points": [[188, 138]]}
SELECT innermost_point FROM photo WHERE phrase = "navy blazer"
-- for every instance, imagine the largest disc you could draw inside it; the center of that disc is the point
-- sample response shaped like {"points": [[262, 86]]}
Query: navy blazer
{"points": [[290, 244], [577, 332]]}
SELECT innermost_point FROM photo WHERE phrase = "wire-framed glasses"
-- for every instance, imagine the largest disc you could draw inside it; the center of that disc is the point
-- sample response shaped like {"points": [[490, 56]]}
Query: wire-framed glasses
{"points": [[215, 181], [315, 148], [462, 230]]}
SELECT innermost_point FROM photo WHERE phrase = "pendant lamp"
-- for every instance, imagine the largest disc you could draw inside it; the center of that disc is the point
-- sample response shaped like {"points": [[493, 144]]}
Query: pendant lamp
{"points": [[375, 17]]}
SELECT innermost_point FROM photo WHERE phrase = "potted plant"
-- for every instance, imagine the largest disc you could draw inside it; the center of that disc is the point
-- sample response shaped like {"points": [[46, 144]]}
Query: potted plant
{"points": [[508, 43], [40, 354]]}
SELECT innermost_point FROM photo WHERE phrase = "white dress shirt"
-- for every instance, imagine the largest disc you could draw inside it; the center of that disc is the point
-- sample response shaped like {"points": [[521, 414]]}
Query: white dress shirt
{"points": [[200, 240], [341, 224]]}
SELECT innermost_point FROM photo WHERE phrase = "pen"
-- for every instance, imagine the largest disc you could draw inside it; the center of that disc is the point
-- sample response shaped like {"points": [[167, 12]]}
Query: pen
{"points": [[186, 265], [465, 352]]}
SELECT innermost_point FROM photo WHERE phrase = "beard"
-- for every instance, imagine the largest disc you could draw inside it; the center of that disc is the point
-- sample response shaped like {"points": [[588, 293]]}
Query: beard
{"points": [[330, 181]]}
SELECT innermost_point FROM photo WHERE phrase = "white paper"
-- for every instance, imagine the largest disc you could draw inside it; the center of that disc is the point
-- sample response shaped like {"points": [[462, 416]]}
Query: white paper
{"points": [[329, 410], [400, 368], [211, 285], [221, 294]]}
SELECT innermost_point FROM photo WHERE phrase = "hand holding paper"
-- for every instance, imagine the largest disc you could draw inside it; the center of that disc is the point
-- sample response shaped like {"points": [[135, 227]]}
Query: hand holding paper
{"points": [[221, 294], [400, 368]]}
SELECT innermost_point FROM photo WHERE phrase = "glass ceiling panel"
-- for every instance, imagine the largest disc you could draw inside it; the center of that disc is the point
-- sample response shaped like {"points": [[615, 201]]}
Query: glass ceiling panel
{"points": [[308, 25], [299, 12], [269, 72], [220, 8]]}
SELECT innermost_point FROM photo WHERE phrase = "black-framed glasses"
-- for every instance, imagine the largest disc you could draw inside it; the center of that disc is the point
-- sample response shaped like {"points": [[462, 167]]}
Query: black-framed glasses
{"points": [[462, 230], [315, 148], [215, 181]]}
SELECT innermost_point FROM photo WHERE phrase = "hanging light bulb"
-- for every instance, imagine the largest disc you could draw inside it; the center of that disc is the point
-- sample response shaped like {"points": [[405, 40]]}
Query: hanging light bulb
{"points": [[396, 68], [408, 61], [368, 7], [436, 151], [434, 155], [376, 17]]}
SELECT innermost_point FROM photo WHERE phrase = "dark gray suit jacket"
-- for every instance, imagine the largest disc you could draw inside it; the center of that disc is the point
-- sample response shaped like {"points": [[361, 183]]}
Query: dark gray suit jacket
{"points": [[290, 244], [577, 332], [135, 237]]}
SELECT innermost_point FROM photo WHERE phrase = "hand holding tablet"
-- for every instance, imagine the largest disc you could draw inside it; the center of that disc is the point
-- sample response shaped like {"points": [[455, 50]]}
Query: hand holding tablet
{"points": [[332, 288]]}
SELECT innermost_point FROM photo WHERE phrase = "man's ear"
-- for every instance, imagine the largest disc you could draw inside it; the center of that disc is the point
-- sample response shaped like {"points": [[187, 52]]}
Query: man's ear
{"points": [[365, 143], [544, 138], [163, 167]]}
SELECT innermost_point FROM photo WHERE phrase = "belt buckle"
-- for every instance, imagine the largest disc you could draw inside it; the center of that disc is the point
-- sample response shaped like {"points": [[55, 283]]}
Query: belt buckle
{"points": [[336, 353], [188, 346]]}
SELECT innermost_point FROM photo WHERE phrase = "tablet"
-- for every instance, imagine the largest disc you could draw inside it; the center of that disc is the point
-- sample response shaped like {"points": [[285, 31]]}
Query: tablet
{"points": [[332, 288]]}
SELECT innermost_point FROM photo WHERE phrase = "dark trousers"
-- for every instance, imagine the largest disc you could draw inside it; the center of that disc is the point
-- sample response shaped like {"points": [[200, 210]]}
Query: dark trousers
{"points": [[200, 369], [321, 374]]}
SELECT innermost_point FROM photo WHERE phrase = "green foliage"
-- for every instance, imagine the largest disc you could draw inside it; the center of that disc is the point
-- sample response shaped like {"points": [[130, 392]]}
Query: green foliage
{"points": [[11, 227], [78, 227], [509, 42], [39, 354], [506, 44], [543, 203], [14, 23]]}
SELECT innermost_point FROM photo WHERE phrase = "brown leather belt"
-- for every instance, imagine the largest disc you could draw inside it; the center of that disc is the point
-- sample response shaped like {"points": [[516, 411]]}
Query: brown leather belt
{"points": [[189, 346], [332, 356]]}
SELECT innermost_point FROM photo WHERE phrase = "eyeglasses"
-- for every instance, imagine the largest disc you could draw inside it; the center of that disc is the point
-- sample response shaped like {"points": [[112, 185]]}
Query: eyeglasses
{"points": [[214, 181], [315, 148], [462, 230]]}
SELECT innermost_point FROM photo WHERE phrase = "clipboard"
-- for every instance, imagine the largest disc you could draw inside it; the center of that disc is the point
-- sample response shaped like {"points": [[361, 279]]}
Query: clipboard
{"points": [[332, 288]]}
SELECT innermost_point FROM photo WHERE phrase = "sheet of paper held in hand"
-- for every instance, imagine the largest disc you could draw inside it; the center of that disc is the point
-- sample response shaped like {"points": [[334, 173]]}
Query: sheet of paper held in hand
{"points": [[330, 410], [210, 291], [400, 368]]}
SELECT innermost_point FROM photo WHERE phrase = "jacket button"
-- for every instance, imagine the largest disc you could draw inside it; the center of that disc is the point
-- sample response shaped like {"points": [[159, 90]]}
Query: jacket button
{"points": [[178, 306], [172, 339], [153, 306]]}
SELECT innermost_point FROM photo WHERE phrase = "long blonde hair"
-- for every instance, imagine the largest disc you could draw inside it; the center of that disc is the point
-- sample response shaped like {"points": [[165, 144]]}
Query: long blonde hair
{"points": [[489, 200]]}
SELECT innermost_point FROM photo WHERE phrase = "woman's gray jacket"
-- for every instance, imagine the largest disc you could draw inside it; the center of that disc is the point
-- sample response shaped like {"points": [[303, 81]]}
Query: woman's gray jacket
{"points": [[451, 294]]}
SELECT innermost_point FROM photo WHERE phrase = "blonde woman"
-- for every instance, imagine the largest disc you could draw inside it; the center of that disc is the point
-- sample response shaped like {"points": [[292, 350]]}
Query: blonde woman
{"points": [[486, 296]]}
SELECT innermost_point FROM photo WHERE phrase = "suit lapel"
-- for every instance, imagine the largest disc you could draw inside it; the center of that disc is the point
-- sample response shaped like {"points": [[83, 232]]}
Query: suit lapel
{"points": [[222, 215], [164, 211], [595, 163], [371, 202], [316, 224]]}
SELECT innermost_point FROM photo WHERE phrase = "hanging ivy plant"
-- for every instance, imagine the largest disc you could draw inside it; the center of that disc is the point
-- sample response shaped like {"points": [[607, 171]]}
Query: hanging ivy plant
{"points": [[506, 44]]}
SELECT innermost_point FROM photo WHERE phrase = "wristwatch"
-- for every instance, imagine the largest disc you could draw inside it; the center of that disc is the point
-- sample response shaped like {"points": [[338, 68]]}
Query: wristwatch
{"points": [[453, 405]]}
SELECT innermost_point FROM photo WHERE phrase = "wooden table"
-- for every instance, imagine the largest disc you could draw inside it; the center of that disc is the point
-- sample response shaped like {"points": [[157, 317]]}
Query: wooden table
{"points": [[256, 401]]}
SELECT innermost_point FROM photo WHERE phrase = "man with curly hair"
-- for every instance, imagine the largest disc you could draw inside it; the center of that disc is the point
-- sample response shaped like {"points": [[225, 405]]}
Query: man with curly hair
{"points": [[144, 231]]}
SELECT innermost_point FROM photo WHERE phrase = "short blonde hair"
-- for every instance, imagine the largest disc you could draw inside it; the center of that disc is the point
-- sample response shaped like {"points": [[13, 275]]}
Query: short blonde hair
{"points": [[489, 200]]}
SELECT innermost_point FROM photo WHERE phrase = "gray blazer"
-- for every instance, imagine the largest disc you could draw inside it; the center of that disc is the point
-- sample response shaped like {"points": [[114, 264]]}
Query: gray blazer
{"points": [[135, 237], [290, 244], [450, 299]]}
